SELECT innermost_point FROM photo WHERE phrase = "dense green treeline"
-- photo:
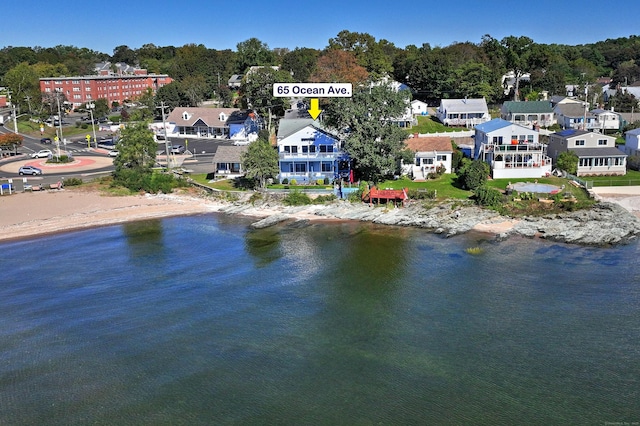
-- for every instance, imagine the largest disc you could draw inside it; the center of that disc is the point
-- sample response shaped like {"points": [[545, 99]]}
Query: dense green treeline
{"points": [[459, 70]]}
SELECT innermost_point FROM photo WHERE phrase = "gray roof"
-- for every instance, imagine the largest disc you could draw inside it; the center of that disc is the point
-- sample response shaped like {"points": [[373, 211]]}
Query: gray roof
{"points": [[572, 110], [533, 107], [287, 127], [464, 105], [229, 154], [598, 152]]}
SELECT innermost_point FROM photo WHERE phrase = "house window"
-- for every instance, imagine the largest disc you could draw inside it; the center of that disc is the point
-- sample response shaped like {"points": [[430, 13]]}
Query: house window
{"points": [[326, 166], [326, 148], [312, 148], [427, 161], [301, 167], [529, 138], [497, 140], [580, 142], [602, 142], [305, 149], [441, 158], [294, 149], [287, 149]]}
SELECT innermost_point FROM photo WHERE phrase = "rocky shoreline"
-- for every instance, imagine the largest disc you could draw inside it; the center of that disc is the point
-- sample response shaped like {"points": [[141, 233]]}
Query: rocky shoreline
{"points": [[604, 224]]}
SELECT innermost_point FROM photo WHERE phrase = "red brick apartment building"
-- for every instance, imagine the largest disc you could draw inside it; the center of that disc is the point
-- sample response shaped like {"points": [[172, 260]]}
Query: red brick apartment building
{"points": [[120, 88]]}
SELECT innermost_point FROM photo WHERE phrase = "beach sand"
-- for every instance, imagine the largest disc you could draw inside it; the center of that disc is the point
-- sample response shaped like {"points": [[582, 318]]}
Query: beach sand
{"points": [[28, 214]]}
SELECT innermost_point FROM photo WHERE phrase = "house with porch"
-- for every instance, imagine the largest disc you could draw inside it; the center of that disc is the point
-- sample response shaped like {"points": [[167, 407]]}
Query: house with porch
{"points": [[572, 115], [511, 150], [463, 112], [307, 152], [597, 153], [632, 142], [212, 123], [227, 160], [529, 113], [419, 108], [430, 153], [607, 120]]}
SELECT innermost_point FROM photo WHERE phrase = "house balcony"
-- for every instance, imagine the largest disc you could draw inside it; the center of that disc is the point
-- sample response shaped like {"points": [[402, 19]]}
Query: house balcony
{"points": [[306, 177], [309, 156], [521, 166]]}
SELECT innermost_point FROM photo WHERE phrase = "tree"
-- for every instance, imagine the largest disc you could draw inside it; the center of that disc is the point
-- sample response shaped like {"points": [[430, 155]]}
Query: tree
{"points": [[473, 174], [124, 54], [24, 85], [260, 161], [369, 54], [10, 142], [568, 161], [517, 51], [257, 91], [253, 52], [338, 66], [301, 62], [366, 123], [136, 156]]}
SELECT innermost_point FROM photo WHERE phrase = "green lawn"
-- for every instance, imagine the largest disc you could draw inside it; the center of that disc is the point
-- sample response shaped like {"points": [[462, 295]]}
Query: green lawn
{"points": [[428, 124], [631, 178]]}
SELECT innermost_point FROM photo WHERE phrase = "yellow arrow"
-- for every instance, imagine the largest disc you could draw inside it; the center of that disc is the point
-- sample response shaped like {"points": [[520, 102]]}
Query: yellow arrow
{"points": [[315, 110]]}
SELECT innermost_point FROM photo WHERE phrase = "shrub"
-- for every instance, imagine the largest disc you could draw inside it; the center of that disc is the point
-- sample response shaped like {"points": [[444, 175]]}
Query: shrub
{"points": [[321, 199], [488, 197], [73, 181], [296, 198], [62, 159], [320, 181], [294, 182], [285, 181], [422, 194], [326, 181]]}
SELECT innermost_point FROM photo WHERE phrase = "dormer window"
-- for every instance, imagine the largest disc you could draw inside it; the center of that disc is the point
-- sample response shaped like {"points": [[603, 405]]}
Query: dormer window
{"points": [[223, 117], [186, 115]]}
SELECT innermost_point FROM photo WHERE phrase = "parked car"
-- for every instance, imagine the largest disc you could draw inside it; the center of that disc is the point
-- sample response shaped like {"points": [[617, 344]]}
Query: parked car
{"points": [[29, 170], [113, 153], [43, 153], [177, 149], [45, 140]]}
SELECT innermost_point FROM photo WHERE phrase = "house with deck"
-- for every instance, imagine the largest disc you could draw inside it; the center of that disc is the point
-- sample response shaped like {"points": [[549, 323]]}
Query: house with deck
{"points": [[511, 150], [463, 112], [607, 120], [430, 153], [575, 115], [529, 113], [308, 152], [597, 153]]}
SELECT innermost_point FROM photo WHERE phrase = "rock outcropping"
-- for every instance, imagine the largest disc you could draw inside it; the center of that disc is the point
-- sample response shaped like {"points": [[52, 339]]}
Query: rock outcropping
{"points": [[603, 224]]}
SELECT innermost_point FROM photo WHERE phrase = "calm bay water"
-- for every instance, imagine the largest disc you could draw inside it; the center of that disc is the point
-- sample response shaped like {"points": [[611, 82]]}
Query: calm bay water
{"points": [[201, 320]]}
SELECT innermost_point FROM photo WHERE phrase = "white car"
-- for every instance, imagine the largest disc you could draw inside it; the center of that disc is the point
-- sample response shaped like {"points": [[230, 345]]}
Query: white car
{"points": [[43, 153], [113, 153]]}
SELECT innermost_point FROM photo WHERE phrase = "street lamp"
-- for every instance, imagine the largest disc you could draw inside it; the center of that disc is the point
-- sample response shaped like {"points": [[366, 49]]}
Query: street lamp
{"points": [[91, 106]]}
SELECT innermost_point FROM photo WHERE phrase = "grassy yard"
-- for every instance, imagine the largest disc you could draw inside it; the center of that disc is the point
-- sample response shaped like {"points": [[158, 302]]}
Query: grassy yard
{"points": [[428, 124], [631, 178]]}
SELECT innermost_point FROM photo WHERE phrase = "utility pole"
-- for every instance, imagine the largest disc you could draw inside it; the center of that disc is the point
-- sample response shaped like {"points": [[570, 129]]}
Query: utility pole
{"points": [[166, 141]]}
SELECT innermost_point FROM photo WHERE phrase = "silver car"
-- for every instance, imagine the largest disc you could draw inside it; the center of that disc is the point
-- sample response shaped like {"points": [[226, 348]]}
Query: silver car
{"points": [[29, 170]]}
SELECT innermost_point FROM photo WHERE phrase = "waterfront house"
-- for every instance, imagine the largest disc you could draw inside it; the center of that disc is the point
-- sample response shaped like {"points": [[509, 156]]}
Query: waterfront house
{"points": [[597, 153], [463, 112], [511, 150], [308, 152], [430, 153], [228, 160], [529, 113]]}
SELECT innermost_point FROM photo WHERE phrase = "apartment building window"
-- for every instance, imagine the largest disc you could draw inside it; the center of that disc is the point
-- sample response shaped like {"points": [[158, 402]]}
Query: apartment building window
{"points": [[76, 89]]}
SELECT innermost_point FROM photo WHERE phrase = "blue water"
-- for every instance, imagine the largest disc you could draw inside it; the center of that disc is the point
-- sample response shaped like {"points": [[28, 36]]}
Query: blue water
{"points": [[201, 320]]}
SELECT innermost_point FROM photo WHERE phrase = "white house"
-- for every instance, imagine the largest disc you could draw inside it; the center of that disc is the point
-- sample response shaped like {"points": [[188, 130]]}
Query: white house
{"points": [[606, 120], [632, 142], [597, 153], [463, 112], [430, 153], [512, 151], [419, 108]]}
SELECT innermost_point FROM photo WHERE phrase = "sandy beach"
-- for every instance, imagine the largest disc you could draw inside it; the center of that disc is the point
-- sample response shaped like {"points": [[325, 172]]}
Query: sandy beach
{"points": [[27, 214]]}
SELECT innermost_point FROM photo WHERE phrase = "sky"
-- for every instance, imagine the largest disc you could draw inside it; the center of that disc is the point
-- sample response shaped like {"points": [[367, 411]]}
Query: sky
{"points": [[289, 24]]}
